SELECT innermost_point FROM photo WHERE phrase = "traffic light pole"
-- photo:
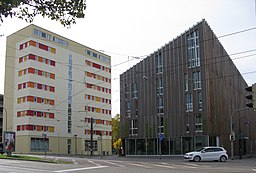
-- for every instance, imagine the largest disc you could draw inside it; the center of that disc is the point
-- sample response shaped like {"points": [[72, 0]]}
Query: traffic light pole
{"points": [[232, 132]]}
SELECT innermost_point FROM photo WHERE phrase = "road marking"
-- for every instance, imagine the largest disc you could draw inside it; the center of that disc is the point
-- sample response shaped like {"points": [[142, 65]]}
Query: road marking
{"points": [[114, 164], [189, 167], [190, 164], [139, 165], [74, 161], [163, 166], [92, 162], [80, 169], [164, 163], [254, 170]]}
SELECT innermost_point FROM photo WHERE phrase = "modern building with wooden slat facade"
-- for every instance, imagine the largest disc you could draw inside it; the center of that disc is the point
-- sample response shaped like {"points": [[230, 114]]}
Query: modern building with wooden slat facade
{"points": [[181, 98]]}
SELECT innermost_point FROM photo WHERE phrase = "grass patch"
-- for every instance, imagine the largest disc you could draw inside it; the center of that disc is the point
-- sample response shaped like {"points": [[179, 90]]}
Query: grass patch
{"points": [[31, 158]]}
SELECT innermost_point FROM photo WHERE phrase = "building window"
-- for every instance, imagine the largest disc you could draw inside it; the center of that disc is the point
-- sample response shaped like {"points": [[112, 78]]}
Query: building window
{"points": [[95, 55], [197, 80], [193, 49], [133, 127], [69, 146], [87, 145], [200, 101], [187, 123], [160, 125], [128, 105], [160, 105], [39, 144], [128, 114], [135, 91], [198, 123], [127, 91], [189, 102], [69, 93], [104, 59], [160, 86], [60, 41], [159, 63], [186, 82], [88, 52]]}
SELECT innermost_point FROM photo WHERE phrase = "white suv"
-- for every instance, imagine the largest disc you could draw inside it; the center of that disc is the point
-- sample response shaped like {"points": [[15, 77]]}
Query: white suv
{"points": [[207, 154]]}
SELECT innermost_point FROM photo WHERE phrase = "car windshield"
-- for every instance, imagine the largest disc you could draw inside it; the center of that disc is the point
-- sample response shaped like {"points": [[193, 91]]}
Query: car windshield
{"points": [[200, 149]]}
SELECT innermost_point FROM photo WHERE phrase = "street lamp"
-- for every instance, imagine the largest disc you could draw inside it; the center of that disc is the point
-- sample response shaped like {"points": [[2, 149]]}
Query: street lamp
{"points": [[159, 131], [232, 132]]}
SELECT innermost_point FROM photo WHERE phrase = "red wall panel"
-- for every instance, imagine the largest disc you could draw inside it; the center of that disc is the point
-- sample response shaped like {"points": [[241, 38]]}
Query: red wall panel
{"points": [[33, 57], [96, 65], [42, 46]]}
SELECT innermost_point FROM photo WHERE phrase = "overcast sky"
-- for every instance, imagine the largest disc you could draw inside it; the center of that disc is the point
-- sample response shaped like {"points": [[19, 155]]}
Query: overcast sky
{"points": [[133, 28]]}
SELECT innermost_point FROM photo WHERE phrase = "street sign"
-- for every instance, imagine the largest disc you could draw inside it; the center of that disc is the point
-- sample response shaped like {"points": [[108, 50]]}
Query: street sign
{"points": [[161, 137]]}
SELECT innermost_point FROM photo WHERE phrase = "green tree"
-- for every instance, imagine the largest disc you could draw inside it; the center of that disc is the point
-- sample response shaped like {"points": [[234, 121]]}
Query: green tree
{"points": [[115, 128], [64, 11]]}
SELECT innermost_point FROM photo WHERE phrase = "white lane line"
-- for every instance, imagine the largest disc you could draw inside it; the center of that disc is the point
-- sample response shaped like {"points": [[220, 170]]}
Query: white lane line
{"points": [[28, 169], [163, 166], [164, 163], [74, 161], [139, 165], [254, 170], [190, 164], [185, 166], [80, 169], [92, 162], [196, 165], [111, 163], [189, 167]]}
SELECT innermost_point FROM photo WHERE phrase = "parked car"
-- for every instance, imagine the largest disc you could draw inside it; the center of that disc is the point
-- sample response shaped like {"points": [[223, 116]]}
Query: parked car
{"points": [[207, 154], [1, 148]]}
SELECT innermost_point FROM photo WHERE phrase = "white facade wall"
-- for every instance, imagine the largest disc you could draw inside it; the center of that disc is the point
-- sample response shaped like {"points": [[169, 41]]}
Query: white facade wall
{"points": [[60, 96]]}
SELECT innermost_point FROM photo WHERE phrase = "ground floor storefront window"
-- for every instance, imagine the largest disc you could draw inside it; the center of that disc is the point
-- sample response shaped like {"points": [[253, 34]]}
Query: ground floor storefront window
{"points": [[39, 144], [165, 146]]}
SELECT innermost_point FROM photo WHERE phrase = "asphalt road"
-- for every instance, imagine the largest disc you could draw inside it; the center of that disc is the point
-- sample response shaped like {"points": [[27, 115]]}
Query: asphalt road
{"points": [[128, 165]]}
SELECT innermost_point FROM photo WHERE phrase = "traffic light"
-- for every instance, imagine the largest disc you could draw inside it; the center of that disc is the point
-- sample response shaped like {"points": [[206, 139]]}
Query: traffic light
{"points": [[251, 96]]}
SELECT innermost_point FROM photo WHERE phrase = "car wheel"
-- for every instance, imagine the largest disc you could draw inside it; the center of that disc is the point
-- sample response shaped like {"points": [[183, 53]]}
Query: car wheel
{"points": [[223, 158], [197, 158]]}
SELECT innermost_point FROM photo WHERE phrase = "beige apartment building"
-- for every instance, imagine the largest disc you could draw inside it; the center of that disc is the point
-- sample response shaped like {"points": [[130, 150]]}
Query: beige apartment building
{"points": [[57, 94]]}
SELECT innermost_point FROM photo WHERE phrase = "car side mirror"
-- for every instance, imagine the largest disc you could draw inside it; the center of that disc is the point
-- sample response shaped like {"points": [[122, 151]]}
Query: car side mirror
{"points": [[202, 151]]}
